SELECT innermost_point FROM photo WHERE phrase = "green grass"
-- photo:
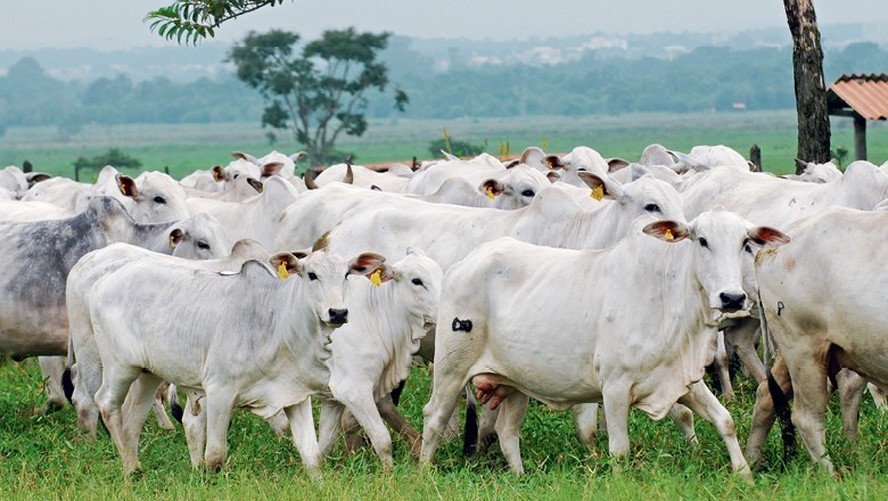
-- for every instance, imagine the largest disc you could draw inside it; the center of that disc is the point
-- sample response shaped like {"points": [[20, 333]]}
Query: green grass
{"points": [[44, 456], [186, 147]]}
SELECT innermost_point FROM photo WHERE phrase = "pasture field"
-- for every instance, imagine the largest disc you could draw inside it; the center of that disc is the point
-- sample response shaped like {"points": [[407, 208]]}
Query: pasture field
{"points": [[45, 457], [186, 147]]}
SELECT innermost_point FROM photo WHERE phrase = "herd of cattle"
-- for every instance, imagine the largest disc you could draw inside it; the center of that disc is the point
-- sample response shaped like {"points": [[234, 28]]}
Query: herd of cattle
{"points": [[576, 280]]}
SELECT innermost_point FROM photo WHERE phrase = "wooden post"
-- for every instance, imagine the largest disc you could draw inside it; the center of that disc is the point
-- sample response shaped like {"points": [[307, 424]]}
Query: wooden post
{"points": [[755, 156], [859, 137]]}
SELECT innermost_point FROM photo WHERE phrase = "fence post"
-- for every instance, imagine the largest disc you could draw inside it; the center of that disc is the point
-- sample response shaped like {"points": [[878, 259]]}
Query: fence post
{"points": [[755, 156]]}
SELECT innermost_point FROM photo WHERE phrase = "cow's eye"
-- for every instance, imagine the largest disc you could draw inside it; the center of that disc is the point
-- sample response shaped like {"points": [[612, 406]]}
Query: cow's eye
{"points": [[312, 276], [652, 208], [201, 244], [747, 247], [159, 200], [236, 175], [704, 243], [527, 193], [416, 281]]}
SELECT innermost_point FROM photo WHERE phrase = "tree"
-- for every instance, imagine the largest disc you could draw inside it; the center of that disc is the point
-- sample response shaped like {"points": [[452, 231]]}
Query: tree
{"points": [[810, 90], [195, 20], [319, 92]]}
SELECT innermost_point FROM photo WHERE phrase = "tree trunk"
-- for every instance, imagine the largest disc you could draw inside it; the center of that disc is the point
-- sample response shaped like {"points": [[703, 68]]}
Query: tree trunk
{"points": [[810, 90]]}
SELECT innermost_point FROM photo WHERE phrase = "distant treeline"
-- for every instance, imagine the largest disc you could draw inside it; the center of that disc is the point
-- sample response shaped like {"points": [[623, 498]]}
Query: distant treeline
{"points": [[707, 78]]}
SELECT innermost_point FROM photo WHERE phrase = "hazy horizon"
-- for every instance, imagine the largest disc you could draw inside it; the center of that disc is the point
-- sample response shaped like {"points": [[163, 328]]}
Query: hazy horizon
{"points": [[112, 24]]}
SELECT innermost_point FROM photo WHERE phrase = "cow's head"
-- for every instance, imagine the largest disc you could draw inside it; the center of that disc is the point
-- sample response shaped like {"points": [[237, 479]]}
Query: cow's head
{"points": [[516, 189], [724, 246], [155, 197], [199, 237], [322, 274], [646, 195], [416, 283]]}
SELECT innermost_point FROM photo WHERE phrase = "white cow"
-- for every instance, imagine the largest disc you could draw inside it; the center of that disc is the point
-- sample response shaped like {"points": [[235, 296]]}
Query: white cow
{"points": [[826, 313], [372, 354], [66, 193], [255, 218], [38, 256], [13, 181], [217, 349], [86, 374], [150, 197], [815, 173], [490, 333], [428, 179], [449, 233], [365, 178]]}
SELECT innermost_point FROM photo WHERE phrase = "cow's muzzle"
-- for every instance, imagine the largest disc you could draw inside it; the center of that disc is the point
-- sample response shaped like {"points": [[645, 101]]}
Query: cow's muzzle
{"points": [[338, 316], [731, 301]]}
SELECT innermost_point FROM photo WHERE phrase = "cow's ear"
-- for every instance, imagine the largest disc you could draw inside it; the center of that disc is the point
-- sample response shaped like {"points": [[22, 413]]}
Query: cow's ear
{"points": [[218, 173], [285, 263], [127, 186], [601, 188], [256, 184], [615, 164], [765, 236], [512, 163], [554, 162], [492, 188], [553, 176], [245, 156], [365, 264], [176, 236], [667, 230], [381, 275], [271, 168]]}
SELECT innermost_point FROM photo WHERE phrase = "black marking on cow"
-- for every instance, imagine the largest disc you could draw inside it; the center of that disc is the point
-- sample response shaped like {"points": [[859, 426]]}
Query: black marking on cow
{"points": [[67, 385], [784, 414], [780, 307], [461, 325]]}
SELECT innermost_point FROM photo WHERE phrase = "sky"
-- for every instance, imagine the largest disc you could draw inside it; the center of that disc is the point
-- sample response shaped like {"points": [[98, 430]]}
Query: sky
{"points": [[118, 24]]}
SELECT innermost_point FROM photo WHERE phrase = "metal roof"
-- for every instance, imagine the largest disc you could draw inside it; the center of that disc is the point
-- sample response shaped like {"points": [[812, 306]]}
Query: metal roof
{"points": [[865, 94]]}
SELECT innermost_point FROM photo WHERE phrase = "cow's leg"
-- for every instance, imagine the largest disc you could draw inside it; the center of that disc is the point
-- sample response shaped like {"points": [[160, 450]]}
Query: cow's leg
{"points": [[508, 427], [219, 405], [331, 414], [585, 423], [486, 426], [87, 377], [354, 439], [616, 410], [194, 421], [52, 369], [304, 438], [701, 400], [684, 419], [138, 404], [279, 424], [446, 390], [160, 413], [360, 402], [396, 421], [764, 415], [742, 336], [721, 364], [878, 396], [811, 398], [851, 387], [110, 396]]}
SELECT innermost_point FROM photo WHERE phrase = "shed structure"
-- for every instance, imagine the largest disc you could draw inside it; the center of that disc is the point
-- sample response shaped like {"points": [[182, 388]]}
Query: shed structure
{"points": [[860, 97]]}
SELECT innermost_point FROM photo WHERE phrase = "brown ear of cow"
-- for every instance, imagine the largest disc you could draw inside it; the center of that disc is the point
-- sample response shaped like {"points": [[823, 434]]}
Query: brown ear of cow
{"points": [[593, 181], [176, 236], [290, 261], [667, 230], [512, 163], [309, 181], [765, 236], [271, 168], [615, 164], [492, 187], [554, 162], [256, 184], [218, 173], [366, 263], [127, 186]]}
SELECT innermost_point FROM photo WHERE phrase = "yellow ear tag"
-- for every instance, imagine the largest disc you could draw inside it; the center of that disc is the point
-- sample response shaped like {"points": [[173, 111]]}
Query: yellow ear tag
{"points": [[172, 242], [282, 271], [376, 278], [490, 194], [668, 235], [597, 193]]}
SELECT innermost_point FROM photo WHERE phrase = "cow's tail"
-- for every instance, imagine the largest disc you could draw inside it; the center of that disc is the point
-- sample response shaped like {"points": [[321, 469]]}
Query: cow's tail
{"points": [[175, 407], [784, 414], [470, 432]]}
